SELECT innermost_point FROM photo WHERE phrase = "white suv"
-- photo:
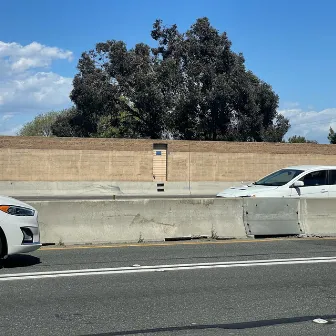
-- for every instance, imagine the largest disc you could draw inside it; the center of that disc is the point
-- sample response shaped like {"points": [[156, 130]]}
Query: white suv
{"points": [[296, 181]]}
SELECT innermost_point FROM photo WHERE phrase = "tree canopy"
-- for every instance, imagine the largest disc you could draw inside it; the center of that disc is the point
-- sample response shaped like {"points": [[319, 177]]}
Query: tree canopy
{"points": [[190, 85], [300, 139], [41, 125], [332, 136]]}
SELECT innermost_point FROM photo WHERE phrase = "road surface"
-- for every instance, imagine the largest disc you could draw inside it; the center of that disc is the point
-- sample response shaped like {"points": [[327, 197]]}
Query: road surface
{"points": [[275, 287]]}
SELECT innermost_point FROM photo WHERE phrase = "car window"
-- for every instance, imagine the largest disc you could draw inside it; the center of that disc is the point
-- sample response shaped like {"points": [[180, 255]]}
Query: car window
{"points": [[279, 178], [332, 177], [315, 178]]}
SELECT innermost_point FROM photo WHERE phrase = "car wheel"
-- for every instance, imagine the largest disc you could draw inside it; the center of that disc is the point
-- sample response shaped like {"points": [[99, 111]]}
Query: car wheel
{"points": [[2, 245], [1, 251], [1, 254]]}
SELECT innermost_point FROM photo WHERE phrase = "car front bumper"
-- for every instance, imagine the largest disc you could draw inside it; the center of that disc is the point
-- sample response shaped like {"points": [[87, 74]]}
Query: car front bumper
{"points": [[22, 234]]}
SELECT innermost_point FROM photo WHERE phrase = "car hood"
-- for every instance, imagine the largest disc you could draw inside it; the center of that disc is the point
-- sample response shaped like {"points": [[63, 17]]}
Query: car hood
{"points": [[245, 190], [4, 200]]}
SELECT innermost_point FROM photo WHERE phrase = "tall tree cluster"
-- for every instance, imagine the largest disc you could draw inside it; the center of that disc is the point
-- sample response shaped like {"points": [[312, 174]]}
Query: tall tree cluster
{"points": [[190, 86]]}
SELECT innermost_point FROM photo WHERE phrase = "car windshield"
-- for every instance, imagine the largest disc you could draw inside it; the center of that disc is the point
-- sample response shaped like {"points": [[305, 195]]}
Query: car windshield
{"points": [[279, 178]]}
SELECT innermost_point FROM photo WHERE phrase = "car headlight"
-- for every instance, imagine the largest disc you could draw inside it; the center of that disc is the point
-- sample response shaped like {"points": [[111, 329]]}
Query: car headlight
{"points": [[16, 210]]}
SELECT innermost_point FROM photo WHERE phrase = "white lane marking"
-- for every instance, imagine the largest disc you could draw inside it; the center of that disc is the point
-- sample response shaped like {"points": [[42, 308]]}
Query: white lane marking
{"points": [[161, 268], [257, 261], [320, 321]]}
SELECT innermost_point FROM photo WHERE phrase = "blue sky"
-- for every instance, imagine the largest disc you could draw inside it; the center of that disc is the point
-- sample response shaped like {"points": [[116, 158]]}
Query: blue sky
{"points": [[289, 43]]}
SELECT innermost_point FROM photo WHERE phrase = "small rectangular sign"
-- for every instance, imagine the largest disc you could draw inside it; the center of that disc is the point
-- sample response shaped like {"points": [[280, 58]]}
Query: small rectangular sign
{"points": [[158, 152]]}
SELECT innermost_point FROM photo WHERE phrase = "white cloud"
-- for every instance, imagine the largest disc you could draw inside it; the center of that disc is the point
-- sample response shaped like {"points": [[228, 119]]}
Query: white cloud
{"points": [[42, 91], [27, 84], [34, 55], [7, 116], [314, 125]]}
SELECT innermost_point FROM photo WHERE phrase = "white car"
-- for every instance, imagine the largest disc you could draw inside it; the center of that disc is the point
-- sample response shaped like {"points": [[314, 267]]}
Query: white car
{"points": [[296, 181], [19, 229]]}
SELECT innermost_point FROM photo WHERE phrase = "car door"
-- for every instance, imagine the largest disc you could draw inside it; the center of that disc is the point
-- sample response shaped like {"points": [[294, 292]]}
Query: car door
{"points": [[332, 183], [315, 185]]}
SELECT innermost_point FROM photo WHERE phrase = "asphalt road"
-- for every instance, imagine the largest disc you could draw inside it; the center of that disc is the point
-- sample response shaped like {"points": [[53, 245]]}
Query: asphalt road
{"points": [[107, 197], [227, 288]]}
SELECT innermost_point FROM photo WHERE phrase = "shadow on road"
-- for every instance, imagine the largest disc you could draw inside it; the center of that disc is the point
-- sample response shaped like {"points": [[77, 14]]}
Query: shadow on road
{"points": [[20, 260], [228, 326]]}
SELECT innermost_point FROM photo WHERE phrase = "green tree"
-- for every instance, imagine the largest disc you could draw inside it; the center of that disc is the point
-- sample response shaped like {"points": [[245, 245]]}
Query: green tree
{"points": [[276, 131], [41, 125], [300, 139], [69, 123], [189, 86], [123, 92], [332, 136], [215, 97]]}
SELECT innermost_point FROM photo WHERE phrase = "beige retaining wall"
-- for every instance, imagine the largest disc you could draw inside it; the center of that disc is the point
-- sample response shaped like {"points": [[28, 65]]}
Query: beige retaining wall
{"points": [[79, 159]]}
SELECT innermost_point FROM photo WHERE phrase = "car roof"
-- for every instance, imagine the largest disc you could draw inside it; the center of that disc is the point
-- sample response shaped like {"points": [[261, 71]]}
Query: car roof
{"points": [[310, 167]]}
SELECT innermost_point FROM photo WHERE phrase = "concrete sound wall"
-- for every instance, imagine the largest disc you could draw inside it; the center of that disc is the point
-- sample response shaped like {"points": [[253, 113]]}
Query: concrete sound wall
{"points": [[133, 221], [91, 159], [74, 165]]}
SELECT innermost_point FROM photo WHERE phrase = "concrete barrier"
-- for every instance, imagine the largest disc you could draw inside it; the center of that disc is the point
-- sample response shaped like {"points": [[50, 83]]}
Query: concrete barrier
{"points": [[291, 216], [80, 222], [70, 188], [118, 221], [272, 216], [318, 216]]}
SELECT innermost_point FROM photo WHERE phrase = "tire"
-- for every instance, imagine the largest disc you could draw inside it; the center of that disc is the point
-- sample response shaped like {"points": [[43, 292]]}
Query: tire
{"points": [[1, 254], [1, 248]]}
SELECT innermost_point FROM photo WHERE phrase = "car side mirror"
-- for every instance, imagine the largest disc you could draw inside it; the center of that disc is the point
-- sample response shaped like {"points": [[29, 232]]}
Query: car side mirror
{"points": [[297, 184]]}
